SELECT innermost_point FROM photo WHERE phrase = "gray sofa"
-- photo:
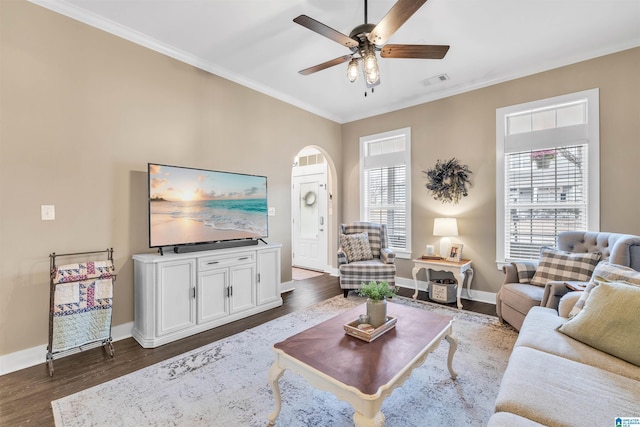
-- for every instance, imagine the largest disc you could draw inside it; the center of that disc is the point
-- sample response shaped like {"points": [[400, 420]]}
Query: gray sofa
{"points": [[515, 299], [553, 379]]}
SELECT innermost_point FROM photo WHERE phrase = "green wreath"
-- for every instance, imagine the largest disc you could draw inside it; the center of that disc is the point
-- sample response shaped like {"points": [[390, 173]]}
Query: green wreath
{"points": [[448, 181]]}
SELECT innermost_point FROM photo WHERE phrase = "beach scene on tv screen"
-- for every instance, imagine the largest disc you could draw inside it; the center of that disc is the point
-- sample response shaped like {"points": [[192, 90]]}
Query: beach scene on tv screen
{"points": [[195, 206]]}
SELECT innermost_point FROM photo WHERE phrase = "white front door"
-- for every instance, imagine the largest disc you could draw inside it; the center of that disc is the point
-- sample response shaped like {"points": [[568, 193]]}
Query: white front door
{"points": [[310, 221]]}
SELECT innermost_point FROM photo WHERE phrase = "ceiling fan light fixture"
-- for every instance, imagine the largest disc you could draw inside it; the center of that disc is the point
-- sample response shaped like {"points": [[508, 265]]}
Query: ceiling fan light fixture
{"points": [[364, 40], [370, 67], [352, 70], [373, 75], [369, 62]]}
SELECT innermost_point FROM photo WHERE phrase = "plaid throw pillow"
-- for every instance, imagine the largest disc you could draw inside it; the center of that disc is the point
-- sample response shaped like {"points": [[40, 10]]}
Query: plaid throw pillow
{"points": [[558, 265], [606, 272], [526, 270], [356, 246]]}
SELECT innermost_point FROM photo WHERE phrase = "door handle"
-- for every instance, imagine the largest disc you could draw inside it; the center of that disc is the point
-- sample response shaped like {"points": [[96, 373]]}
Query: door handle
{"points": [[321, 220]]}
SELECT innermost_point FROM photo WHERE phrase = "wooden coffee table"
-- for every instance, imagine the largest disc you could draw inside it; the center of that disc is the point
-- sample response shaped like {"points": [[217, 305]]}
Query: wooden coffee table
{"points": [[356, 371]]}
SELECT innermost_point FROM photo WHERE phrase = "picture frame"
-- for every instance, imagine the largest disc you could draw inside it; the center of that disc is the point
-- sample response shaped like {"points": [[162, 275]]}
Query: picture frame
{"points": [[455, 253]]}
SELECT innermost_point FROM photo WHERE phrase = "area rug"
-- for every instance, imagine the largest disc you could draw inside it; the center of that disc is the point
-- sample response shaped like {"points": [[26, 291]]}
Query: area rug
{"points": [[225, 383]]}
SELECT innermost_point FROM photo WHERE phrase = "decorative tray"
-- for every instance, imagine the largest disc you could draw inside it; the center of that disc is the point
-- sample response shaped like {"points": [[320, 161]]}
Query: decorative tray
{"points": [[367, 332]]}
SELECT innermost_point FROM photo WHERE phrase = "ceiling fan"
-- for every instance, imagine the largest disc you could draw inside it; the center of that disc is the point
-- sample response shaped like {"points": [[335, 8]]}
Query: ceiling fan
{"points": [[367, 39]]}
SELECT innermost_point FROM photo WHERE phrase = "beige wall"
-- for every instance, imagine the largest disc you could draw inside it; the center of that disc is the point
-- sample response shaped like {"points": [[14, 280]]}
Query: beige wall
{"points": [[463, 126], [82, 113]]}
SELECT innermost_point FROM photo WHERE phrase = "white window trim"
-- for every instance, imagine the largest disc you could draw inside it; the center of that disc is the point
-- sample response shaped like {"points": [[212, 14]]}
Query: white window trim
{"points": [[593, 123], [399, 158]]}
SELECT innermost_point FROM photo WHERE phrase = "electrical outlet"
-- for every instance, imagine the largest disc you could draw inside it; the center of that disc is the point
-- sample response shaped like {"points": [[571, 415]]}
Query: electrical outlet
{"points": [[48, 212], [272, 212]]}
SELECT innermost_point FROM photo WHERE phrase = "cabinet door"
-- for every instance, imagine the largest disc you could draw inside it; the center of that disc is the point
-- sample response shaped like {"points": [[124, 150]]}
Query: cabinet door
{"points": [[242, 280], [176, 299], [268, 276], [212, 294]]}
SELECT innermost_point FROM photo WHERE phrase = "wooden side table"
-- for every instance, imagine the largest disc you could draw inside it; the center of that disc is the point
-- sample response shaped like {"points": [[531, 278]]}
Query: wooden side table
{"points": [[458, 269]]}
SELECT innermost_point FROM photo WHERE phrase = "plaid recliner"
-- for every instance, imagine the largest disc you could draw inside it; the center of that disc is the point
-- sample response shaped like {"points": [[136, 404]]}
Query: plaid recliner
{"points": [[381, 268]]}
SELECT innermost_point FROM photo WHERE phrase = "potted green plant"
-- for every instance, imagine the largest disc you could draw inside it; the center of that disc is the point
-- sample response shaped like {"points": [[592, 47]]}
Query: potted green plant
{"points": [[377, 294]]}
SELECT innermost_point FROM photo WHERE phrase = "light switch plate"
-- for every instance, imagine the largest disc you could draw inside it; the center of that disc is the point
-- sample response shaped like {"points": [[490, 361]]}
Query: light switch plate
{"points": [[48, 212], [272, 212]]}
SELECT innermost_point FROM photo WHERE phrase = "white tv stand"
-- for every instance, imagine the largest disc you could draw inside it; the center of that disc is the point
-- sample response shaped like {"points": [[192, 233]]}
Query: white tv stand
{"points": [[178, 295]]}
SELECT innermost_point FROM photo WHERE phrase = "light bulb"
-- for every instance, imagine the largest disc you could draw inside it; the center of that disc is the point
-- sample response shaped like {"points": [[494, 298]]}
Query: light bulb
{"points": [[352, 70], [370, 62], [373, 75]]}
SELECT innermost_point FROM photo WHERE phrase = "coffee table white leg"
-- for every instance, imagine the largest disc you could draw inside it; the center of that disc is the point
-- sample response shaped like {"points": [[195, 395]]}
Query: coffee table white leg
{"points": [[275, 372], [414, 273], [453, 346], [360, 420]]}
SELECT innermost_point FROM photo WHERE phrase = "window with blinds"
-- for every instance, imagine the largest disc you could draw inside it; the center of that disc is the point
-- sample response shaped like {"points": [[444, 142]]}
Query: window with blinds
{"points": [[548, 178], [384, 195], [546, 194], [385, 201]]}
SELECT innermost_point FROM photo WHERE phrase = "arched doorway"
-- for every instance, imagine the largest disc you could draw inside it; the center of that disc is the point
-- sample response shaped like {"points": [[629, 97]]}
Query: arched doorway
{"points": [[311, 210]]}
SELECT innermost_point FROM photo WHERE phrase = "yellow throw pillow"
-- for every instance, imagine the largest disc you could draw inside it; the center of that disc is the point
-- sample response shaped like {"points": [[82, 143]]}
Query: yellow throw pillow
{"points": [[609, 321]]}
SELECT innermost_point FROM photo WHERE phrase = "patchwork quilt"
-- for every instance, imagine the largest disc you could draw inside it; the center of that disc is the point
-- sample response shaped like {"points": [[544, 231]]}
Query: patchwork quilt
{"points": [[82, 304]]}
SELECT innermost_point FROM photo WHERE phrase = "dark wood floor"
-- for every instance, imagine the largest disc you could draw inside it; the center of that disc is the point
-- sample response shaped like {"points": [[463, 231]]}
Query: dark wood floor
{"points": [[26, 395]]}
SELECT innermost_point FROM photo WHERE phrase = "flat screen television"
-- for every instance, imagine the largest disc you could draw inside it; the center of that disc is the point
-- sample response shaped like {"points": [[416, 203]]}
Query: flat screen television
{"points": [[189, 206]]}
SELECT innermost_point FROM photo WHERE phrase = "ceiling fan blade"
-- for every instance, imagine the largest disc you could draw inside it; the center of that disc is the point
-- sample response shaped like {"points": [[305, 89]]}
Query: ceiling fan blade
{"points": [[397, 15], [418, 51], [325, 65], [323, 30]]}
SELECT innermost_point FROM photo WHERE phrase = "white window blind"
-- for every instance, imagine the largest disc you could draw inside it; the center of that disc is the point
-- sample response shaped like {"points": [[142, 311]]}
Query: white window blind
{"points": [[547, 193], [384, 196], [548, 178], [385, 201]]}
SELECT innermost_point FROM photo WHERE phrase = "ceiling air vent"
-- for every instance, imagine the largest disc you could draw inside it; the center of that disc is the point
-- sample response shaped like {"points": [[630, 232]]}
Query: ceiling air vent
{"points": [[435, 80]]}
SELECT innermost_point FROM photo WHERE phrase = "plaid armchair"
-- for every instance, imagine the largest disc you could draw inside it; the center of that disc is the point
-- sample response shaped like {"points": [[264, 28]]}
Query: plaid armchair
{"points": [[364, 255]]}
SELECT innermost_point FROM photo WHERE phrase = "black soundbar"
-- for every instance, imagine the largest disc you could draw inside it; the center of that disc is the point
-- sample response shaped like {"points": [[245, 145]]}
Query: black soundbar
{"points": [[211, 246]]}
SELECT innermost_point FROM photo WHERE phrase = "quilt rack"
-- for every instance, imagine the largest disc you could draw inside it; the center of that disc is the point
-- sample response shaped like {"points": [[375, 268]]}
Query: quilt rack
{"points": [[80, 306]]}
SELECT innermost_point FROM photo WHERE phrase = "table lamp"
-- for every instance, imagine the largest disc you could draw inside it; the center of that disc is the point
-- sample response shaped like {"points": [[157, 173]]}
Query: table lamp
{"points": [[445, 227]]}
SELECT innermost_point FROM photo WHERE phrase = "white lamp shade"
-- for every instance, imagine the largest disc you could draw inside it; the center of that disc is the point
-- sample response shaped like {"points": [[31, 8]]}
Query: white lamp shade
{"points": [[445, 227]]}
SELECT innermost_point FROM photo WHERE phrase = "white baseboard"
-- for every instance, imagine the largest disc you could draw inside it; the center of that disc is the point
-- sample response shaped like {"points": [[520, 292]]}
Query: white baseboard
{"points": [[35, 355], [287, 287]]}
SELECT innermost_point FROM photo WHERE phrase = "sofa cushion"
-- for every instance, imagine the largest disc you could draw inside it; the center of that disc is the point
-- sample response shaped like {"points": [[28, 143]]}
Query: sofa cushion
{"points": [[521, 296], [539, 331], [609, 321], [554, 391], [356, 246], [506, 419], [606, 271], [558, 265]]}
